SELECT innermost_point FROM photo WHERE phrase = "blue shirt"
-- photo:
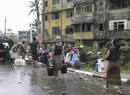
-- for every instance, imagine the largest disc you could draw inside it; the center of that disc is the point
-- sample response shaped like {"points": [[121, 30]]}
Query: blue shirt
{"points": [[74, 58]]}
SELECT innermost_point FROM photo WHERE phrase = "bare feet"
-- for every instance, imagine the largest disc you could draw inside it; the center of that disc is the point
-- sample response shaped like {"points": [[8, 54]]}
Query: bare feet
{"points": [[105, 87], [57, 78], [119, 92], [35, 66]]}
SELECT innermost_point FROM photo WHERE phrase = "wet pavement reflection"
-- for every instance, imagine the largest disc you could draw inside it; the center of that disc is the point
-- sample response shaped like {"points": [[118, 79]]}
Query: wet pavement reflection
{"points": [[27, 80]]}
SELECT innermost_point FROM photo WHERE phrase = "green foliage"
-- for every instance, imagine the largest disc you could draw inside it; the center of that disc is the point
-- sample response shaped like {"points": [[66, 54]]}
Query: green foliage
{"points": [[91, 60], [128, 81]]}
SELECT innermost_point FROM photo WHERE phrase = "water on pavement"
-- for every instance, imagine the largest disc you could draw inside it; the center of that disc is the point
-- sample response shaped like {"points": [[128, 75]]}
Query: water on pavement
{"points": [[27, 80]]}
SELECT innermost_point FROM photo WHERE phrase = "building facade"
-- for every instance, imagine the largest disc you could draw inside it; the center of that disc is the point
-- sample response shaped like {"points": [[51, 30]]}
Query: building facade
{"points": [[58, 19], [85, 20], [24, 36], [119, 19]]}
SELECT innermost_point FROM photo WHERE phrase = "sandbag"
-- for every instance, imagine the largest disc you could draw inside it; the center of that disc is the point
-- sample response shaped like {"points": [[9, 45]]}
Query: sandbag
{"points": [[20, 62]]}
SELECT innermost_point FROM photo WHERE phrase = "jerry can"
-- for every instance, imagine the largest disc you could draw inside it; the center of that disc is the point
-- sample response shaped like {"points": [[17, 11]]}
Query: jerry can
{"points": [[64, 69], [50, 69]]}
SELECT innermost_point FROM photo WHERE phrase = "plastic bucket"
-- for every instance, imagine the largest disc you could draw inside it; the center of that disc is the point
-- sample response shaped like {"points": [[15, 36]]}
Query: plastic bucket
{"points": [[50, 70], [102, 65], [64, 69]]}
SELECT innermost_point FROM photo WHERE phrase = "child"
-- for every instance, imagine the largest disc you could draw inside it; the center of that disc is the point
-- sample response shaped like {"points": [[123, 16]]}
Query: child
{"points": [[44, 56], [68, 58], [75, 59]]}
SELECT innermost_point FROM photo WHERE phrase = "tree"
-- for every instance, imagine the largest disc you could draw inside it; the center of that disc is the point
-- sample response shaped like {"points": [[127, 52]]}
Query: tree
{"points": [[35, 9]]}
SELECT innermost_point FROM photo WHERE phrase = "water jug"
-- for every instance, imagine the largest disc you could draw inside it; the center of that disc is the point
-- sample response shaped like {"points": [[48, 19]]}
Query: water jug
{"points": [[50, 69], [64, 69], [102, 65]]}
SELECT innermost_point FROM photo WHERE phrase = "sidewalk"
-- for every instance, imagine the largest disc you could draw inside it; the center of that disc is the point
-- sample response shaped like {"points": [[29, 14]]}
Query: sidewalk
{"points": [[124, 77]]}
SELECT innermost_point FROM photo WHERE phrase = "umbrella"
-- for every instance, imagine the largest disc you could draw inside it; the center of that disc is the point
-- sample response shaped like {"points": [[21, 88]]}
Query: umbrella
{"points": [[38, 38], [19, 43]]}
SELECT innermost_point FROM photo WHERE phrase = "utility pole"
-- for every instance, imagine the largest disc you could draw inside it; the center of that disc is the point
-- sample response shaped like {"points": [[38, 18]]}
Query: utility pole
{"points": [[43, 20], [5, 26], [61, 18]]}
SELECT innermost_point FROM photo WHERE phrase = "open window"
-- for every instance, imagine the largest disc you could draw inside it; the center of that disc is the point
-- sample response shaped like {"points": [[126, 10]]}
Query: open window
{"points": [[118, 25]]}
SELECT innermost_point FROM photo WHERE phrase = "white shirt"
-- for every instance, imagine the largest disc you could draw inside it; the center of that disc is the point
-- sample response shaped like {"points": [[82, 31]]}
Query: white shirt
{"points": [[67, 58]]}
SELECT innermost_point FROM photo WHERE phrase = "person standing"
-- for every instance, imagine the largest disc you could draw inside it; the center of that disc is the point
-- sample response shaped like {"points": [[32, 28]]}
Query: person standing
{"points": [[57, 55], [66, 48], [13, 54], [113, 69], [34, 52], [44, 56], [23, 50]]}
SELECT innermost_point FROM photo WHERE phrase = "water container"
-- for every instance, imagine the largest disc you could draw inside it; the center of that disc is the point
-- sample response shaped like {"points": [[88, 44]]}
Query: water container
{"points": [[77, 65], [96, 67], [102, 65], [64, 69], [50, 69]]}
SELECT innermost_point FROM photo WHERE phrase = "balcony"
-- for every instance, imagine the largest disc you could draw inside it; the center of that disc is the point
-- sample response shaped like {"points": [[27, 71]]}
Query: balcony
{"points": [[68, 5], [83, 35], [124, 34]]}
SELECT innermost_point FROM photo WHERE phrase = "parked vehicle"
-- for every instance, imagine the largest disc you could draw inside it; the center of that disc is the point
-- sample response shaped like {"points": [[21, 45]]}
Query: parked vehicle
{"points": [[8, 43]]}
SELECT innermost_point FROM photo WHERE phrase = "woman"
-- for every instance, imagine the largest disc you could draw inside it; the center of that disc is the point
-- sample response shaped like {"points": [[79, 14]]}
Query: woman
{"points": [[75, 58], [13, 54], [113, 69], [68, 58], [56, 56]]}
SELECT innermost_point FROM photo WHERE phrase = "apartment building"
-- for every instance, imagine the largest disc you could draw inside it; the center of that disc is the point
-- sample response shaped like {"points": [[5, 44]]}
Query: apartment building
{"points": [[58, 19], [24, 36], [119, 19], [95, 20], [83, 20]]}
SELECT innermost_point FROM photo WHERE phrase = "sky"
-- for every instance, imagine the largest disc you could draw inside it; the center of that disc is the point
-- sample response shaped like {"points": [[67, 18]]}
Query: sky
{"points": [[16, 12]]}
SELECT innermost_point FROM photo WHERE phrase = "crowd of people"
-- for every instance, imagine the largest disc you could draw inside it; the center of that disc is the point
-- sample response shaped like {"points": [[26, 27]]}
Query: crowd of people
{"points": [[64, 53], [68, 54]]}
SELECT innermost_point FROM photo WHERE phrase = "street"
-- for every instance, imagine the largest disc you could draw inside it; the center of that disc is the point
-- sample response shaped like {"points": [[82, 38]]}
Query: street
{"points": [[26, 80]]}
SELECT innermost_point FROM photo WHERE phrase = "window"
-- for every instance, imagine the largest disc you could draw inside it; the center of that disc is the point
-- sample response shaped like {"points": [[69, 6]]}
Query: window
{"points": [[46, 4], [78, 10], [55, 2], [55, 15], [100, 27], [118, 25], [128, 2], [69, 0], [115, 26], [46, 18], [56, 30], [84, 27], [69, 14], [89, 26], [77, 28], [84, 9], [89, 8], [69, 30]]}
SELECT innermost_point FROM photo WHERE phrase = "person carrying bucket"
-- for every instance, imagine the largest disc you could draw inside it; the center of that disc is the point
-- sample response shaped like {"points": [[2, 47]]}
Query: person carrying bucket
{"points": [[57, 56]]}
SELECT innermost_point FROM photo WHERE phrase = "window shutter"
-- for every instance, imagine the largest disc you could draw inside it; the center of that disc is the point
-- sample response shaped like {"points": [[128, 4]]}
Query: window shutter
{"points": [[128, 24], [111, 25]]}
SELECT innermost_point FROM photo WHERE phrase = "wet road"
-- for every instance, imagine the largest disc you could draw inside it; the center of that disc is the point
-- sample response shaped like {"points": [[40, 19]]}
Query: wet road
{"points": [[26, 80]]}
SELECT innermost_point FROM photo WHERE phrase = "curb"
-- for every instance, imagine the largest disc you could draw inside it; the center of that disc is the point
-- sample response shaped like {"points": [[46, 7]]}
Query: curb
{"points": [[123, 80]]}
